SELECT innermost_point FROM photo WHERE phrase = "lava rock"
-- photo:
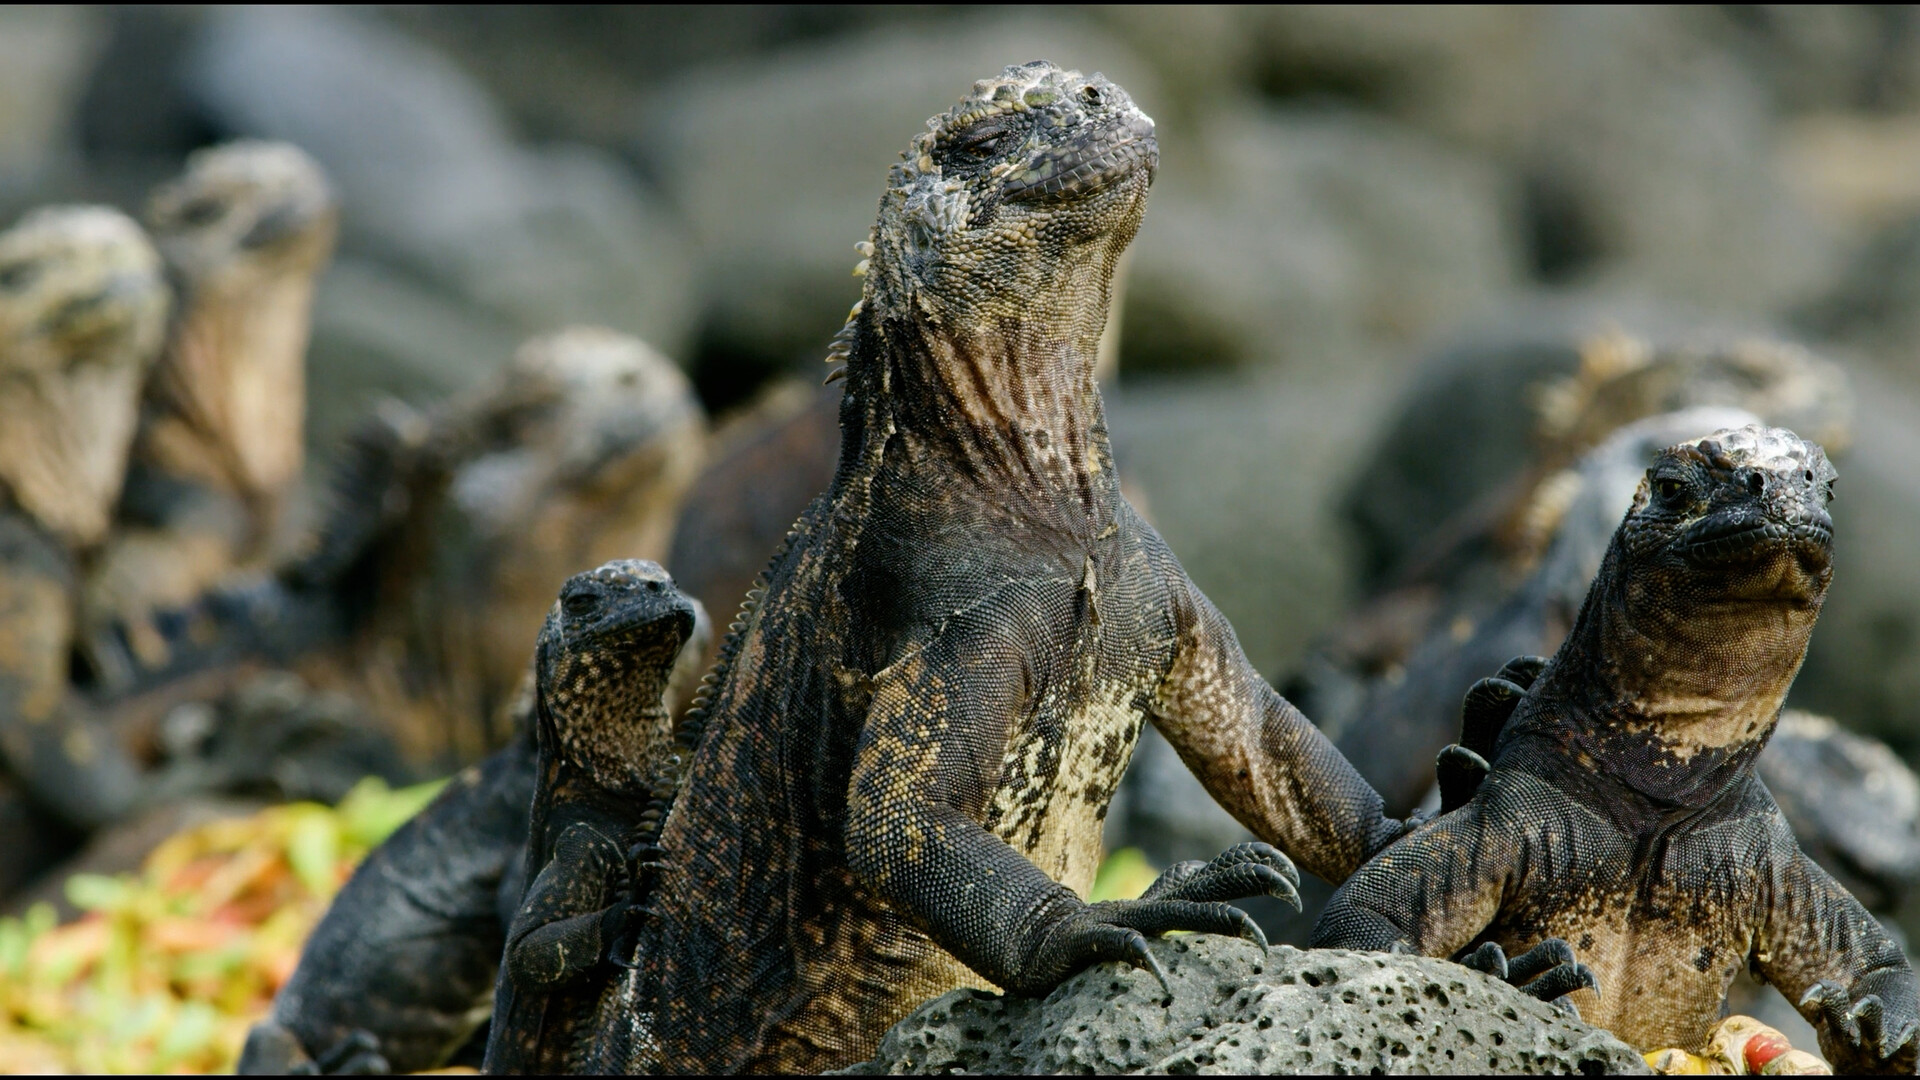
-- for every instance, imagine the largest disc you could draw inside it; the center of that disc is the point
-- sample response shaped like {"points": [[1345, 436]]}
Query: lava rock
{"points": [[1236, 1009]]}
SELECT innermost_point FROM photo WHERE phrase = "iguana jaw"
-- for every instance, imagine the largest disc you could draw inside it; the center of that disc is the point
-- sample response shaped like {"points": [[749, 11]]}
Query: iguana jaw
{"points": [[83, 306]]}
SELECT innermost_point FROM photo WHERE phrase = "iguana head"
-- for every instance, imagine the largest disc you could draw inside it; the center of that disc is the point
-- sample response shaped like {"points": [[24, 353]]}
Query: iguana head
{"points": [[245, 231], [1738, 518], [244, 211], [602, 666], [1028, 189], [1700, 616], [83, 307], [990, 269]]}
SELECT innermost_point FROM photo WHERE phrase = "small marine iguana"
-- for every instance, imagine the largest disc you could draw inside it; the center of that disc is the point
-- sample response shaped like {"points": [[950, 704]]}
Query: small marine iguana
{"points": [[916, 726], [607, 768], [1623, 813], [400, 974]]}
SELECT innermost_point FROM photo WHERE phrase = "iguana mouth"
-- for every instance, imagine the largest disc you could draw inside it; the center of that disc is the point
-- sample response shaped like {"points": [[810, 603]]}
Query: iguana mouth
{"points": [[1103, 158], [1720, 540]]}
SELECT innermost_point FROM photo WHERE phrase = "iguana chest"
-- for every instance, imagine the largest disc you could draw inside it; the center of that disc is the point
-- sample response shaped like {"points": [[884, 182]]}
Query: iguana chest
{"points": [[1665, 922], [1068, 750]]}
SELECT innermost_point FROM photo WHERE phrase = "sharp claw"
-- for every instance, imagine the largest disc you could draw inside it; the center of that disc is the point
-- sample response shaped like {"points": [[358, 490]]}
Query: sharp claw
{"points": [[1141, 957], [1891, 1044], [1871, 1001], [1817, 994], [1288, 895], [1566, 1007], [1489, 958], [1250, 931]]}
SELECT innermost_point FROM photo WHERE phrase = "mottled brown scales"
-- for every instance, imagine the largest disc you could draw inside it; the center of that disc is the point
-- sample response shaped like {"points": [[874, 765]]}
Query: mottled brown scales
{"points": [[606, 764], [1623, 812], [917, 725], [82, 311]]}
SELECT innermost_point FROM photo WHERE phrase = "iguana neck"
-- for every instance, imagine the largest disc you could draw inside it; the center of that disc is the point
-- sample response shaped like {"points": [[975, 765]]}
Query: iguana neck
{"points": [[1008, 408], [234, 385], [1674, 699]]}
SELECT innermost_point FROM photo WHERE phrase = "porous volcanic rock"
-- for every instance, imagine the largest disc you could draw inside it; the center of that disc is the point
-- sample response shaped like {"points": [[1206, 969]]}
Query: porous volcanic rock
{"points": [[1237, 1010]]}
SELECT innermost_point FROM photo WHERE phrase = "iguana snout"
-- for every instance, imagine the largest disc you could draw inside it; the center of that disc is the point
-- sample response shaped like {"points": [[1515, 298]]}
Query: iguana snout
{"points": [[622, 601]]}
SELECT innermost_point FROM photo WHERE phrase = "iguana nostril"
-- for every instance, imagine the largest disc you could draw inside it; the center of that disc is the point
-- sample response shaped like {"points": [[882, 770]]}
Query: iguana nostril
{"points": [[1092, 96], [1756, 482]]}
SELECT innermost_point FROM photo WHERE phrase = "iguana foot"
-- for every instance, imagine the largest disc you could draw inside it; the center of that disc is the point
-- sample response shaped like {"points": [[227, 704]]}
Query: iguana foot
{"points": [[1867, 1036], [356, 1054], [1491, 701], [1190, 896], [1548, 971]]}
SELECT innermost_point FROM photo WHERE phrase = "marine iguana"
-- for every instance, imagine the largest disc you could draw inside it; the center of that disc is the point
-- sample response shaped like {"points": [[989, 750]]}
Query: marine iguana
{"points": [[607, 767], [1493, 580], [916, 725], [245, 232], [399, 975], [82, 313], [1622, 812], [446, 532]]}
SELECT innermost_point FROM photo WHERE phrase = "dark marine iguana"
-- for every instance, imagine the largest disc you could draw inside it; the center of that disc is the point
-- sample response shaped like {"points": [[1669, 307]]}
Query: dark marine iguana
{"points": [[399, 975], [916, 726], [1622, 812], [607, 767]]}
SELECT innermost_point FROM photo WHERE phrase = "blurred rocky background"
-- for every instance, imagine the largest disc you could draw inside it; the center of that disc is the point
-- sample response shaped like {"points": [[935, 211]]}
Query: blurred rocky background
{"points": [[1349, 201]]}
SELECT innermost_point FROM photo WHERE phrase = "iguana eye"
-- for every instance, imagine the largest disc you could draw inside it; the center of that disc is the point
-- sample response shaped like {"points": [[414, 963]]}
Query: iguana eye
{"points": [[1669, 489], [581, 603], [202, 212], [18, 276], [984, 146]]}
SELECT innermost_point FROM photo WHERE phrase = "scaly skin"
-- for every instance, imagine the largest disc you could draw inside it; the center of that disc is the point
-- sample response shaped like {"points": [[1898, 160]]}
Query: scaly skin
{"points": [[245, 232], [914, 730], [1622, 812], [607, 764], [402, 967], [82, 310]]}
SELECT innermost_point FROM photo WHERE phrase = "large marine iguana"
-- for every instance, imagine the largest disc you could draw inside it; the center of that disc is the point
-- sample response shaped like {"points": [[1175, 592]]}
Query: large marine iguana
{"points": [[916, 725], [399, 975], [1622, 812]]}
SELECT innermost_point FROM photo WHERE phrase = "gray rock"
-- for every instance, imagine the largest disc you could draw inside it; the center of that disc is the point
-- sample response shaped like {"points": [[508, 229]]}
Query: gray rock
{"points": [[778, 161], [1313, 239], [1237, 1010], [434, 188], [44, 56]]}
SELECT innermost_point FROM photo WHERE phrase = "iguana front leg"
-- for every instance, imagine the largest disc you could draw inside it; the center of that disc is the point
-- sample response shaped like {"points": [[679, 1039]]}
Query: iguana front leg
{"points": [[925, 768], [1822, 950], [570, 913], [1257, 755], [1435, 891]]}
